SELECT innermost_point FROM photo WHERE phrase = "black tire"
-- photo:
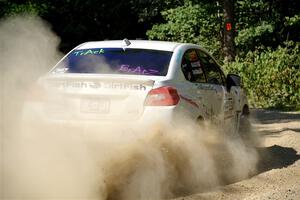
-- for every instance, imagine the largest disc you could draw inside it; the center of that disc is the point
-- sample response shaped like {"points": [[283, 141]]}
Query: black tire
{"points": [[200, 122], [245, 128]]}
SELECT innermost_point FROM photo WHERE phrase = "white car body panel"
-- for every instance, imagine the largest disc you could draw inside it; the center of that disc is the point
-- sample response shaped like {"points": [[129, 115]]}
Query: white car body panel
{"points": [[105, 98], [135, 44]]}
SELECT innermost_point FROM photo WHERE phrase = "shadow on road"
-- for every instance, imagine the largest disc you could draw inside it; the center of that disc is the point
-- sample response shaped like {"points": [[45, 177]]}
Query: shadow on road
{"points": [[275, 157], [272, 116], [276, 133]]}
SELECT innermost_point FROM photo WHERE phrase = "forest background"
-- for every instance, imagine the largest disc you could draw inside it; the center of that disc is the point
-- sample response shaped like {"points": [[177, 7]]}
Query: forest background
{"points": [[265, 34]]}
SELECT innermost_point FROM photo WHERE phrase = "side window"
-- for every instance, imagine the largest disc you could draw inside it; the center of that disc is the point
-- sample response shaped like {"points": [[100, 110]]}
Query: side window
{"points": [[192, 67], [213, 73]]}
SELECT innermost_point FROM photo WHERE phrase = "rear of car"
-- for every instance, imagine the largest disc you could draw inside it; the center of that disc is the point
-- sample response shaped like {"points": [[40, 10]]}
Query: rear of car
{"points": [[110, 81]]}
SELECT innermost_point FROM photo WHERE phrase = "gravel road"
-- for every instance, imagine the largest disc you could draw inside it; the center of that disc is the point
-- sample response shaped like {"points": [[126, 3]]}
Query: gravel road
{"points": [[278, 175]]}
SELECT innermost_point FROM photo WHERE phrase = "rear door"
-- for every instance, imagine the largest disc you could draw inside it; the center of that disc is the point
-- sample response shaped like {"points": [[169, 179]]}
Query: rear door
{"points": [[219, 100], [194, 74]]}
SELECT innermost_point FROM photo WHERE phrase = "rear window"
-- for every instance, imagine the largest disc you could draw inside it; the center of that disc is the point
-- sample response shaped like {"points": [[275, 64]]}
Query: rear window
{"points": [[116, 61]]}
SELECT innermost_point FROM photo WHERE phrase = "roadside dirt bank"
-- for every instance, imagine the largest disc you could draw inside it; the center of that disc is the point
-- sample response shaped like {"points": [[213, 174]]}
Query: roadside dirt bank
{"points": [[278, 174]]}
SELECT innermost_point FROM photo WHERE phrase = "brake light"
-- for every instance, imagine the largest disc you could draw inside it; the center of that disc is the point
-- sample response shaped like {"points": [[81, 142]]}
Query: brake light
{"points": [[163, 96]]}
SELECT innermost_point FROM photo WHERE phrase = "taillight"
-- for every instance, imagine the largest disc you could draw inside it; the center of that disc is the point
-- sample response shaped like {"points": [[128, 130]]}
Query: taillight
{"points": [[163, 96]]}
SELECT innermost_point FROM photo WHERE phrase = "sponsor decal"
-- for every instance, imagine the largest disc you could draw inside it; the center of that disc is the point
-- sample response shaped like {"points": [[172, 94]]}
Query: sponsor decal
{"points": [[137, 70], [96, 85], [206, 87], [228, 108], [88, 52], [195, 64], [197, 71]]}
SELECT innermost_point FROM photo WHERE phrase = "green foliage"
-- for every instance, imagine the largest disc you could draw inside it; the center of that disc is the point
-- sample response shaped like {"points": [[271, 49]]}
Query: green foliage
{"points": [[272, 78], [292, 21], [252, 37], [267, 64], [149, 10], [10, 8], [264, 23], [249, 13], [77, 21], [190, 23]]}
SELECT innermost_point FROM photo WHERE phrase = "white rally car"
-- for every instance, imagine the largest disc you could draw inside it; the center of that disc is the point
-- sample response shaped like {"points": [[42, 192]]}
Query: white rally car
{"points": [[140, 81]]}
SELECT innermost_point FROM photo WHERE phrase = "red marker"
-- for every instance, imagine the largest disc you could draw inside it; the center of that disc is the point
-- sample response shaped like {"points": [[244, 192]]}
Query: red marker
{"points": [[228, 26]]}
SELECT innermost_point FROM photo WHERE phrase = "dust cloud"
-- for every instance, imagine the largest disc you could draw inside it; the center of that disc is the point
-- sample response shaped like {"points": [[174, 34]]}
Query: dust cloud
{"points": [[84, 160], [28, 48]]}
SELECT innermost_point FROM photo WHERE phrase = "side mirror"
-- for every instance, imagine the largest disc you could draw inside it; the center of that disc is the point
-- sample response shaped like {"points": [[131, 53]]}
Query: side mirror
{"points": [[233, 80]]}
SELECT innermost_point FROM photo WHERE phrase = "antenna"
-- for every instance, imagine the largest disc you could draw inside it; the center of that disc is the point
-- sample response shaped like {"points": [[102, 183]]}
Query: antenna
{"points": [[126, 42]]}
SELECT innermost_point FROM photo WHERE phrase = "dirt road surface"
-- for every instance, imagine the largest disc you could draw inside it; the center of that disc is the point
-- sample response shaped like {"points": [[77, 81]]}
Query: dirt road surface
{"points": [[278, 174]]}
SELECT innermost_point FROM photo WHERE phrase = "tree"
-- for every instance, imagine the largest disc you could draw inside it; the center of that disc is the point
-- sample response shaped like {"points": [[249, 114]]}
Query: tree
{"points": [[192, 23], [228, 39], [77, 21], [265, 23]]}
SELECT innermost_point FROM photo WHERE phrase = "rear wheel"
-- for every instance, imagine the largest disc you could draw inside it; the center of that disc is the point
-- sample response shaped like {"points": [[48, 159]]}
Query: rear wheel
{"points": [[247, 131], [245, 127], [200, 120]]}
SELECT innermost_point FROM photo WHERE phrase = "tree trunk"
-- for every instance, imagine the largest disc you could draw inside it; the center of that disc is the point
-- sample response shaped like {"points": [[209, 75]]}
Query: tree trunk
{"points": [[229, 26]]}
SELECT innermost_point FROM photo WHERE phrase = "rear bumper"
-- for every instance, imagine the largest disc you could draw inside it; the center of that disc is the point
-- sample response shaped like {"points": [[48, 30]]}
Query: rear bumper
{"points": [[152, 116]]}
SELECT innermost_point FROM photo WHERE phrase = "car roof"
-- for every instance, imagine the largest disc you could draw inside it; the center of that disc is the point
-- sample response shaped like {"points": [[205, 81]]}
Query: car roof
{"points": [[134, 44]]}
